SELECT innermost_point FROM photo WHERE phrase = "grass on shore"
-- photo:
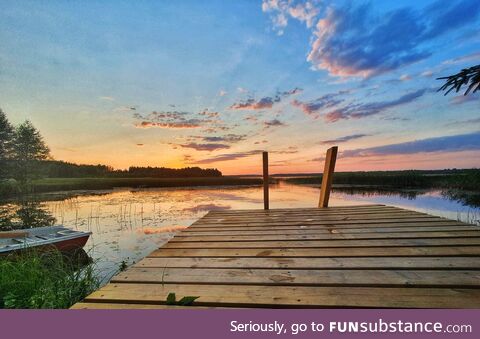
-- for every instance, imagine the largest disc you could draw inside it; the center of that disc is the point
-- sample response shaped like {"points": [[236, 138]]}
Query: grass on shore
{"points": [[34, 280], [66, 184], [454, 179]]}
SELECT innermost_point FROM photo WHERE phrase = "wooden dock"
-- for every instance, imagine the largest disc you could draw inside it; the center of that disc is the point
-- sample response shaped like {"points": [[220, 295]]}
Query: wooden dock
{"points": [[352, 256]]}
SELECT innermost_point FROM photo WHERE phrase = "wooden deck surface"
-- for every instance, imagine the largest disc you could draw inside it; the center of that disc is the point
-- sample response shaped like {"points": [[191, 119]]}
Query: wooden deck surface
{"points": [[352, 256]]}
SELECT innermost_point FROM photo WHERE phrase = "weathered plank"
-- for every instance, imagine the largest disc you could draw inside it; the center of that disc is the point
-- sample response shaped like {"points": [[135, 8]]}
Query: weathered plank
{"points": [[290, 296], [320, 252], [329, 226], [323, 230], [327, 243], [441, 263], [328, 236], [296, 209], [307, 277], [310, 218], [335, 222], [123, 306]]}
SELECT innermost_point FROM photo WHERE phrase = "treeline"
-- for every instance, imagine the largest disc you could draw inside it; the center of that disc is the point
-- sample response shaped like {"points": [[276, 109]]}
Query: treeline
{"points": [[24, 155], [62, 169]]}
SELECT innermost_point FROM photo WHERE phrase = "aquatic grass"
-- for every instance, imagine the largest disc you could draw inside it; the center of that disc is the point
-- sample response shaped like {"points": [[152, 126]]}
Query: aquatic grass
{"points": [[66, 184], [33, 280], [463, 179]]}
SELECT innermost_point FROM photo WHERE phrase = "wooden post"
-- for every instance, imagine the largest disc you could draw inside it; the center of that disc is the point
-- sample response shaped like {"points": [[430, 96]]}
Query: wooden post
{"points": [[265, 181], [327, 177]]}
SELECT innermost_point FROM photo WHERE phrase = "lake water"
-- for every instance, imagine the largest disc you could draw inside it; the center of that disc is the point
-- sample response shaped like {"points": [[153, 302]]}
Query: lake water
{"points": [[129, 224]]}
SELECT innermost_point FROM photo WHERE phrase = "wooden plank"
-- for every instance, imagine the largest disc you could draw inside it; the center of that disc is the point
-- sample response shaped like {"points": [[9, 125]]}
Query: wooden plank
{"points": [[324, 230], [327, 177], [306, 211], [344, 209], [313, 216], [266, 182], [290, 296], [123, 306], [327, 236], [320, 252], [327, 243], [443, 263], [326, 226], [296, 209], [324, 222], [306, 277]]}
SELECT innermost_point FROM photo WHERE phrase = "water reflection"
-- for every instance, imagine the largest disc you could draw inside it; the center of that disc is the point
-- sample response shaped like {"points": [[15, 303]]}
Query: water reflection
{"points": [[23, 215], [128, 225], [466, 198]]}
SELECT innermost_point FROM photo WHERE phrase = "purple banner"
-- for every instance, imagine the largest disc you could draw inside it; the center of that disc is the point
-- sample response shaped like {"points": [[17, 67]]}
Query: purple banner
{"points": [[233, 323]]}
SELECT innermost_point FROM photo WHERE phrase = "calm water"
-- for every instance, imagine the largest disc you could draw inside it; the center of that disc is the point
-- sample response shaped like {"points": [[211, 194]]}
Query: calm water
{"points": [[127, 225]]}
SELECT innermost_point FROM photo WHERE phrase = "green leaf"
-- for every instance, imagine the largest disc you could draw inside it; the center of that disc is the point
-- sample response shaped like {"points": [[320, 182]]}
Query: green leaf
{"points": [[187, 301], [171, 299]]}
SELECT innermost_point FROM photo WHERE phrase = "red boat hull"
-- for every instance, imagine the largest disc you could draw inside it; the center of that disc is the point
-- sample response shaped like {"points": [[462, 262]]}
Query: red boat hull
{"points": [[71, 244]]}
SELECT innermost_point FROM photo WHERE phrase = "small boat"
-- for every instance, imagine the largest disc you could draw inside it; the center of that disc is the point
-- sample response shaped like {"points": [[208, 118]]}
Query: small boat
{"points": [[43, 238]]}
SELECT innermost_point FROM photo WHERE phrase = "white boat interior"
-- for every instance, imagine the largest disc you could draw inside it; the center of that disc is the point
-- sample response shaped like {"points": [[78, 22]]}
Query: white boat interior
{"points": [[40, 236]]}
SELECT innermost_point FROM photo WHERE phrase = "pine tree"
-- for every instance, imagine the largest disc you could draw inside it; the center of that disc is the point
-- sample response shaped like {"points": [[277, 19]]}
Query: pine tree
{"points": [[28, 148], [6, 143]]}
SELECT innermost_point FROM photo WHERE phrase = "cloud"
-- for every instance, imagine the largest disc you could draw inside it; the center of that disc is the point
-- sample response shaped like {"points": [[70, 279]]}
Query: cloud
{"points": [[458, 60], [288, 150], [230, 138], [357, 111], [273, 123], [326, 101], [317, 159], [217, 128], [265, 102], [396, 119], [252, 104], [222, 93], [193, 123], [405, 77], [107, 98], [461, 99], [250, 118], [228, 157], [140, 145], [281, 10], [260, 142], [427, 73], [210, 114], [353, 41], [171, 120], [125, 109], [474, 121], [343, 139], [461, 142], [205, 147]]}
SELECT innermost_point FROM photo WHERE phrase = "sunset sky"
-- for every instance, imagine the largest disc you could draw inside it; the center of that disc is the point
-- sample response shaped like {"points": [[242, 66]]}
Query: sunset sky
{"points": [[213, 83]]}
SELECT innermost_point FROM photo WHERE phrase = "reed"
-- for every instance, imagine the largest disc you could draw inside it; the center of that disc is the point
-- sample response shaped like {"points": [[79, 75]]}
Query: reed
{"points": [[34, 280], [66, 184]]}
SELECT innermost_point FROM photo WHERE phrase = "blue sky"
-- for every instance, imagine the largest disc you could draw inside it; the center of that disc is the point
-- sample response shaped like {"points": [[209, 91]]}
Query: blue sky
{"points": [[213, 83]]}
